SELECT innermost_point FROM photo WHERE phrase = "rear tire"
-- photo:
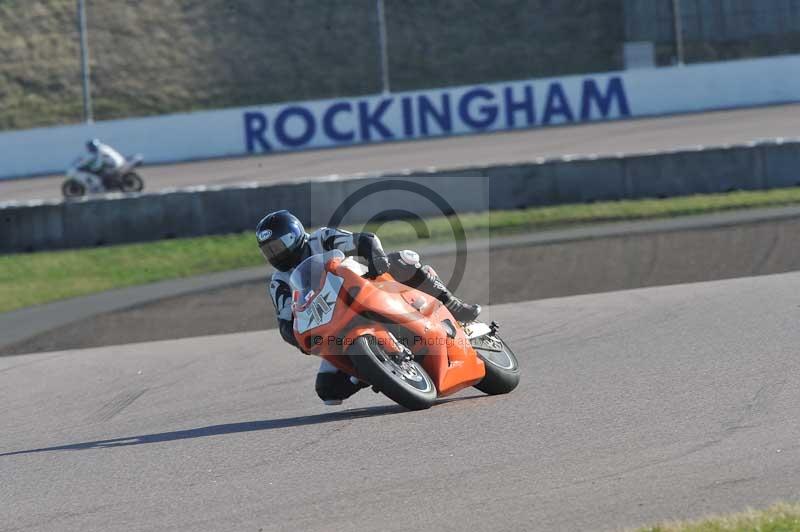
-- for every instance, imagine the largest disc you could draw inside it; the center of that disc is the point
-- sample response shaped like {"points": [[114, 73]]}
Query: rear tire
{"points": [[502, 370], [72, 188], [406, 384], [131, 182]]}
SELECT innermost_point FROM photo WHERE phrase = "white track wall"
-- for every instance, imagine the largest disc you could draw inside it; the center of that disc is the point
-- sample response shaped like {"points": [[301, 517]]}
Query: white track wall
{"points": [[413, 115]]}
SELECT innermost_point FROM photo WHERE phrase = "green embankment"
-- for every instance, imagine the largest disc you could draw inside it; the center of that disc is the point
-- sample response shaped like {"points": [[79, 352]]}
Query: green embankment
{"points": [[167, 56], [777, 518], [30, 279]]}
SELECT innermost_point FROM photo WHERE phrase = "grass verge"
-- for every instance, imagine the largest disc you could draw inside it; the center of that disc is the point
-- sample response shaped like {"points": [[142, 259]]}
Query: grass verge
{"points": [[36, 278], [777, 518]]}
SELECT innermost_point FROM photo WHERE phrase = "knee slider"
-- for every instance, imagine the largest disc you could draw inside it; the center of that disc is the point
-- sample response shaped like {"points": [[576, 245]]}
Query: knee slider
{"points": [[409, 258]]}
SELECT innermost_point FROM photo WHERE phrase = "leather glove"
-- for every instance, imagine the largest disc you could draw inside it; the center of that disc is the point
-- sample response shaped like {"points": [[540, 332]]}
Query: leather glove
{"points": [[378, 265]]}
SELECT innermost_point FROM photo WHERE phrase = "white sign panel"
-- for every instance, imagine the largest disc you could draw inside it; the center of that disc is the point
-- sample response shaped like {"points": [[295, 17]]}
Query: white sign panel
{"points": [[413, 115]]}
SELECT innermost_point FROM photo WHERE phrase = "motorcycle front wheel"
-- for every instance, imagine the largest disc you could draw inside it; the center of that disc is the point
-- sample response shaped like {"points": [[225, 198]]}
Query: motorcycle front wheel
{"points": [[402, 381], [131, 182], [502, 368], [72, 188]]}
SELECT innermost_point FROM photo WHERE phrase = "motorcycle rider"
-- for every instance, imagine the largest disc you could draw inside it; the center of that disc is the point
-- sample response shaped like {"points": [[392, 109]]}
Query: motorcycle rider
{"points": [[103, 161], [284, 243]]}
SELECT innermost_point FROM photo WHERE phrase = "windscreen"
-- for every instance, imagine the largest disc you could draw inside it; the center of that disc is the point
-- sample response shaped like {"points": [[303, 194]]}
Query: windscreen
{"points": [[308, 278]]}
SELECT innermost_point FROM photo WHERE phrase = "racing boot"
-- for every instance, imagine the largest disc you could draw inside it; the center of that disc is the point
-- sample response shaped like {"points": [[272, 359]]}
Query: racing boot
{"points": [[433, 285], [463, 312]]}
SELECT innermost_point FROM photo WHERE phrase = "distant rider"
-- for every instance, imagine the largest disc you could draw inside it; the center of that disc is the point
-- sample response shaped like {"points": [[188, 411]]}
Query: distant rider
{"points": [[103, 161], [285, 244]]}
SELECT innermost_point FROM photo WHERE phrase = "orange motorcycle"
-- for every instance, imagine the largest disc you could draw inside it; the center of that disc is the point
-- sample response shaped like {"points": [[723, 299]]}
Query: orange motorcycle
{"points": [[403, 342]]}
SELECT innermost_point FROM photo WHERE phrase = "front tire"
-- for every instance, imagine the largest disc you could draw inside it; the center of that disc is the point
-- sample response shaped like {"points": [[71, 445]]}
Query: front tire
{"points": [[131, 182], [72, 188], [404, 382], [502, 367]]}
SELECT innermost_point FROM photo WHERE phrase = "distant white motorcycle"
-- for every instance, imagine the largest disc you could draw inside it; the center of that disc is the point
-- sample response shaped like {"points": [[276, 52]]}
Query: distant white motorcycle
{"points": [[80, 181]]}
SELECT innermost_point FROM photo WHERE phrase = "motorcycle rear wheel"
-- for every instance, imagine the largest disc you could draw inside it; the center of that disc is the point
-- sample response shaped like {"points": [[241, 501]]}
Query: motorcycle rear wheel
{"points": [[72, 188], [502, 369], [404, 382], [131, 182]]}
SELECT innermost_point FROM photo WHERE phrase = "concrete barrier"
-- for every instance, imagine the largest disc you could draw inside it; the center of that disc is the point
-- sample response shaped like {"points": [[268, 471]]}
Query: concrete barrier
{"points": [[699, 172], [781, 163], [116, 219]]}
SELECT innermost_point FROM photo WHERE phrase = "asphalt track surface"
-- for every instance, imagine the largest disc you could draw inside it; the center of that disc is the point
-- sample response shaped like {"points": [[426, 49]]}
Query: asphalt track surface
{"points": [[631, 136], [635, 406]]}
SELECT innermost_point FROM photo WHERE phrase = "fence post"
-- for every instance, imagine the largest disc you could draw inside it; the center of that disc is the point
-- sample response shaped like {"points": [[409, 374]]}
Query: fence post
{"points": [[677, 20], [382, 42], [87, 96]]}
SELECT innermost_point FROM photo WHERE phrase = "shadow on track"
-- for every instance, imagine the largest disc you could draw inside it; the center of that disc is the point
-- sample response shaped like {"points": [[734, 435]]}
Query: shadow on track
{"points": [[231, 428]]}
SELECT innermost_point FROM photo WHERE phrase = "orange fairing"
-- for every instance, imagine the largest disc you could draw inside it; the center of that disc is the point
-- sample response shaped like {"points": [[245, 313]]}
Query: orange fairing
{"points": [[450, 361], [376, 307]]}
